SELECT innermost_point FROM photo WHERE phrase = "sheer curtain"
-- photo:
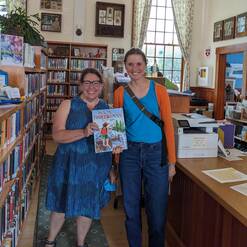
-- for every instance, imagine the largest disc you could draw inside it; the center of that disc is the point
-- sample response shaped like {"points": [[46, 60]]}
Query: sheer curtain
{"points": [[183, 11], [141, 13]]}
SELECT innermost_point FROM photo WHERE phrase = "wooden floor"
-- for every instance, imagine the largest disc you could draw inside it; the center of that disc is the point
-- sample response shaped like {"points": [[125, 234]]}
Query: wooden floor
{"points": [[112, 220]]}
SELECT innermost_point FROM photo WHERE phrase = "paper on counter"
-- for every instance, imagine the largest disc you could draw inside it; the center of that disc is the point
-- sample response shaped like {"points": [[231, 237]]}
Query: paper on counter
{"points": [[236, 152], [231, 158], [241, 188], [226, 175]]}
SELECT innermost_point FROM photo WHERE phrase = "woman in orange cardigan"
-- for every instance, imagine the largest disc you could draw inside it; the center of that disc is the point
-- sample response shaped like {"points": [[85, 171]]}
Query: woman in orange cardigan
{"points": [[143, 161]]}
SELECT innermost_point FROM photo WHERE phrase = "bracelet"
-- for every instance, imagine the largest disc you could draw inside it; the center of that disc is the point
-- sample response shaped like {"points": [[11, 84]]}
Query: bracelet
{"points": [[172, 165]]}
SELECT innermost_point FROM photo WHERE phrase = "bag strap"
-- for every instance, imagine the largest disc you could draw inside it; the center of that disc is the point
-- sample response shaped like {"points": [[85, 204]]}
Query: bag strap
{"points": [[150, 115]]}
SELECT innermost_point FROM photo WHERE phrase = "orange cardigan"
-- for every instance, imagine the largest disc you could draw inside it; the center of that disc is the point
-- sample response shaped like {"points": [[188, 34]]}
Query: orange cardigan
{"points": [[165, 114]]}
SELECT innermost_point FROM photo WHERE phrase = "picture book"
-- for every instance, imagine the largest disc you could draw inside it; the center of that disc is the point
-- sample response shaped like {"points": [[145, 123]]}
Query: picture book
{"points": [[111, 132], [11, 50]]}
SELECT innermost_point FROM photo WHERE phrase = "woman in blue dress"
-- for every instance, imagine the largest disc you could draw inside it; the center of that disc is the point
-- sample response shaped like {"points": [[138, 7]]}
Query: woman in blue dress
{"points": [[75, 184]]}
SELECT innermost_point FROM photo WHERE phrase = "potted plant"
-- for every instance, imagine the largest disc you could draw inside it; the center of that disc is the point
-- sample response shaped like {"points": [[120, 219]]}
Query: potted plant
{"points": [[18, 23]]}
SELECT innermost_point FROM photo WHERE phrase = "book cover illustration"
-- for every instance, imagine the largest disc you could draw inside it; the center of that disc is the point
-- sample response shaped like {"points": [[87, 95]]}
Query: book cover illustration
{"points": [[11, 50], [111, 131]]}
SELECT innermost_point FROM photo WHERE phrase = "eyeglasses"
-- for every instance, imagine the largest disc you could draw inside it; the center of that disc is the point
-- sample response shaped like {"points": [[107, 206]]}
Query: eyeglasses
{"points": [[95, 83]]}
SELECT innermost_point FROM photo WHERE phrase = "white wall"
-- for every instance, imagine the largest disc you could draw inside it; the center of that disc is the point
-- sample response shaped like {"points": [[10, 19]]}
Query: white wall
{"points": [[81, 13], [207, 12]]}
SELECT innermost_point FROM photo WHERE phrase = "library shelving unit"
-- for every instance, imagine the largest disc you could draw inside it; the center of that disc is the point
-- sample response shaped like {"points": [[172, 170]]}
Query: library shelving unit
{"points": [[240, 131], [65, 61], [21, 147]]}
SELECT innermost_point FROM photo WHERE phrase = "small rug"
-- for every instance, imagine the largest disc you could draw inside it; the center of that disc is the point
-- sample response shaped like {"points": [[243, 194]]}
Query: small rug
{"points": [[67, 235]]}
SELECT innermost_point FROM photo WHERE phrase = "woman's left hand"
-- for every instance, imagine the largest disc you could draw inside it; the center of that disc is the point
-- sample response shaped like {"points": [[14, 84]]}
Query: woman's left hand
{"points": [[172, 171], [117, 150]]}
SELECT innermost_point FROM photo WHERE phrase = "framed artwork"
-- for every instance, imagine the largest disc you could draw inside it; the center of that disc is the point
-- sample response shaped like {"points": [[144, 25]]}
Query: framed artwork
{"points": [[218, 31], [55, 5], [229, 28], [109, 20], [241, 25], [51, 22]]}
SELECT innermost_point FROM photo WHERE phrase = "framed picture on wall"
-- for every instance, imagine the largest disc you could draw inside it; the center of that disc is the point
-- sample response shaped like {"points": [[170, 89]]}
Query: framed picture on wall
{"points": [[55, 5], [241, 25], [218, 31], [109, 20], [51, 22], [229, 28]]}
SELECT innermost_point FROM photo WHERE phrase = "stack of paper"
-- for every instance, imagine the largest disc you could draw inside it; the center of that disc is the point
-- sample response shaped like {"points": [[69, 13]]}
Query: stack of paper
{"points": [[226, 175]]}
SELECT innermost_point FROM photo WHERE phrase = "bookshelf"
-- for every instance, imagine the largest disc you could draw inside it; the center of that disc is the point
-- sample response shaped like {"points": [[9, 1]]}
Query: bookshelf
{"points": [[22, 147], [65, 61]]}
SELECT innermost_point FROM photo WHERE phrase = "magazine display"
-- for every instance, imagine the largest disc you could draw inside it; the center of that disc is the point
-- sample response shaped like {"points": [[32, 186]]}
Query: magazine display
{"points": [[111, 132]]}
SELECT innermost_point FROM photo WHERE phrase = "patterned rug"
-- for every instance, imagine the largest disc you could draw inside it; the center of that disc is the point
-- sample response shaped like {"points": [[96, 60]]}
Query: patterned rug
{"points": [[67, 235]]}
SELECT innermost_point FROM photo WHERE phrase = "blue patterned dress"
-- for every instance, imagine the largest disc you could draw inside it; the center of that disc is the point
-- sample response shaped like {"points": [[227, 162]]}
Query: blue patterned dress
{"points": [[75, 183]]}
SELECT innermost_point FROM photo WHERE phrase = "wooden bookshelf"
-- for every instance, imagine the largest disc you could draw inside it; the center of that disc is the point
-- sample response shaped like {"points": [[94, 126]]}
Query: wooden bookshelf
{"points": [[22, 146], [65, 62]]}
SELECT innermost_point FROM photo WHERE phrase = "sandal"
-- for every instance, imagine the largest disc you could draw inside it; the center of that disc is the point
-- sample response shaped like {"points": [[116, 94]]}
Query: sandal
{"points": [[52, 243]]}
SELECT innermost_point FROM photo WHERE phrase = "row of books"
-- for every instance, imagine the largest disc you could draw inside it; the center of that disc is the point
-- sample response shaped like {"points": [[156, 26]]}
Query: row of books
{"points": [[30, 110], [73, 91], [14, 210], [10, 129], [77, 64], [52, 104], [75, 76], [10, 166], [43, 61], [58, 63], [34, 82], [29, 56], [56, 76], [49, 116], [10, 217], [29, 138], [56, 89]]}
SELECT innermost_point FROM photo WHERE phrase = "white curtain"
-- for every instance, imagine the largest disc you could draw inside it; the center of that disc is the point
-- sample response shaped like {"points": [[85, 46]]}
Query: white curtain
{"points": [[183, 11], [141, 13]]}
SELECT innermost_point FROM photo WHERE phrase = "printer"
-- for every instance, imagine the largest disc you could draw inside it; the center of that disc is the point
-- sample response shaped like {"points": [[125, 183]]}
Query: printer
{"points": [[194, 136]]}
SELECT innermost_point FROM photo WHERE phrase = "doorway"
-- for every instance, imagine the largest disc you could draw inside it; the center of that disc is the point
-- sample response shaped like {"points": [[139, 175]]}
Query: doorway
{"points": [[222, 54]]}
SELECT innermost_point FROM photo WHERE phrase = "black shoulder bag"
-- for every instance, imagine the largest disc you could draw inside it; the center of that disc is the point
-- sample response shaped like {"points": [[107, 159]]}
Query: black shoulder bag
{"points": [[154, 118]]}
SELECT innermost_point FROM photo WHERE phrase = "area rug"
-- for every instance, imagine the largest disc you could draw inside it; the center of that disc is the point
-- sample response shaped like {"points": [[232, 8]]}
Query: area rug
{"points": [[67, 235]]}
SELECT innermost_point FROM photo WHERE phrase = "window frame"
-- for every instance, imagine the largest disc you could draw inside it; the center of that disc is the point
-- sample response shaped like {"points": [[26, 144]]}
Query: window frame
{"points": [[156, 44]]}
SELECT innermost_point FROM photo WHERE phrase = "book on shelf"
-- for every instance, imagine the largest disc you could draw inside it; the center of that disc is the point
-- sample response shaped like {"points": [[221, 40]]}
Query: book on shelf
{"points": [[111, 132], [11, 50]]}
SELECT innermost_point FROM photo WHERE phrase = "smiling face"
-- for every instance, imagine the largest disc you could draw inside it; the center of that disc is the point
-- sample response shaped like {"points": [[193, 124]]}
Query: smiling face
{"points": [[135, 66], [91, 87]]}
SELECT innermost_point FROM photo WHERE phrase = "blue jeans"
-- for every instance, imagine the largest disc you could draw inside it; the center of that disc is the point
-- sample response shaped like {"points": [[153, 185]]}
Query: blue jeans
{"points": [[142, 162]]}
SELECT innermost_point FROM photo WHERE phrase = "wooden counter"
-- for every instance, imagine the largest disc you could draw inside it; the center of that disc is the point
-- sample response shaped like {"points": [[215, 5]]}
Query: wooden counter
{"points": [[203, 212]]}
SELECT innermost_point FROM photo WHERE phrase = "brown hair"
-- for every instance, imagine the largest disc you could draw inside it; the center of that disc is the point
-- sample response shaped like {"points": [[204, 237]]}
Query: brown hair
{"points": [[91, 71], [135, 51]]}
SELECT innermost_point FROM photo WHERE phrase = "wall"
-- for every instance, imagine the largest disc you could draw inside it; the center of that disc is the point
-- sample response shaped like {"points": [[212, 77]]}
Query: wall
{"points": [[207, 12], [81, 13]]}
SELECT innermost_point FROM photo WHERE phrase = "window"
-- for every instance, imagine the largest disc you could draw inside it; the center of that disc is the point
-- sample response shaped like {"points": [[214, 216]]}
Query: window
{"points": [[161, 43], [3, 7]]}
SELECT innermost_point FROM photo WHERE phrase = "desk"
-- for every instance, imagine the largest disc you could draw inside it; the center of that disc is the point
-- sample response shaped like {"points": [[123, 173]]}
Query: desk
{"points": [[203, 212]]}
